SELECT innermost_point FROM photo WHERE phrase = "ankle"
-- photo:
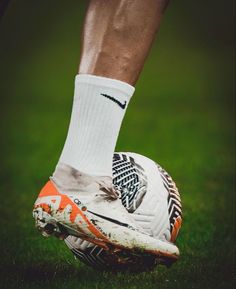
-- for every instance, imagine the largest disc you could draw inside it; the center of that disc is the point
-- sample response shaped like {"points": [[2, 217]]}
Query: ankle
{"points": [[70, 179]]}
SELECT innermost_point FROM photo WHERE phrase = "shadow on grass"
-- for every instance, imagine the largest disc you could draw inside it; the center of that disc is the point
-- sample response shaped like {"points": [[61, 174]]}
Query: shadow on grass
{"points": [[49, 271]]}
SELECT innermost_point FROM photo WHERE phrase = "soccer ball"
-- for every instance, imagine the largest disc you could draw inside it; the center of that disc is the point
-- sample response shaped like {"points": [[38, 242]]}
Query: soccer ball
{"points": [[151, 196]]}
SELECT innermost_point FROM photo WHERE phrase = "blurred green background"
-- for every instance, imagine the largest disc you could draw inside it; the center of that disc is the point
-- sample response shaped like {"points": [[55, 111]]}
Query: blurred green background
{"points": [[182, 115]]}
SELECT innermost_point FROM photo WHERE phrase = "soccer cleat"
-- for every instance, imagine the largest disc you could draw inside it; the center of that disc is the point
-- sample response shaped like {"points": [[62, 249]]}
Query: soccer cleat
{"points": [[90, 209]]}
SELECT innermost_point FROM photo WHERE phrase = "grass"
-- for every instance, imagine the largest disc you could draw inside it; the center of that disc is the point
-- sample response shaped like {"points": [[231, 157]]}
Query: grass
{"points": [[182, 115]]}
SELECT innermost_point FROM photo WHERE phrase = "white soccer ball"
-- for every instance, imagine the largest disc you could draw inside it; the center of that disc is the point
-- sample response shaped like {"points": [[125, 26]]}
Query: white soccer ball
{"points": [[151, 196]]}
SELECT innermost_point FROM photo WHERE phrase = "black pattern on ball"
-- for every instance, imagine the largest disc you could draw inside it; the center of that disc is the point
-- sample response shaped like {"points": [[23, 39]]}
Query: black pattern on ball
{"points": [[130, 180]]}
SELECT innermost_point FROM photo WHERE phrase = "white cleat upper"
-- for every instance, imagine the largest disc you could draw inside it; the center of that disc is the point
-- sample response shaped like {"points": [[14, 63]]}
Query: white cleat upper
{"points": [[88, 207]]}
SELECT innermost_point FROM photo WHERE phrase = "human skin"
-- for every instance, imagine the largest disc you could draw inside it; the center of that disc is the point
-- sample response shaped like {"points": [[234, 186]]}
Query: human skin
{"points": [[117, 37]]}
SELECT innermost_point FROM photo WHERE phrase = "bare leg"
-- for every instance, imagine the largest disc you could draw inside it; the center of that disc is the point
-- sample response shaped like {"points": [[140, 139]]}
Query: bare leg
{"points": [[117, 37]]}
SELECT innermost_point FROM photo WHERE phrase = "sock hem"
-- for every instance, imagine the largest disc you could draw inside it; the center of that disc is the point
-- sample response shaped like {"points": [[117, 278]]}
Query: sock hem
{"points": [[106, 82]]}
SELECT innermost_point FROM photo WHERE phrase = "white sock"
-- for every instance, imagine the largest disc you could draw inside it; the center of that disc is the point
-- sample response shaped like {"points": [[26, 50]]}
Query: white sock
{"points": [[98, 110]]}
